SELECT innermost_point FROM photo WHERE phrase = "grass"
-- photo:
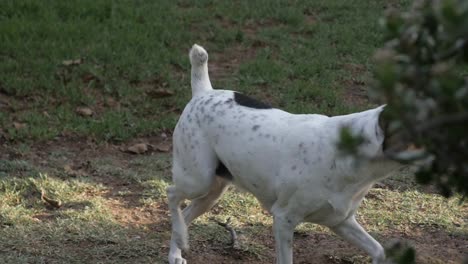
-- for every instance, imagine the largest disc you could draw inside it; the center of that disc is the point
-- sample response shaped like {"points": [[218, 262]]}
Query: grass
{"points": [[294, 54], [125, 218], [31, 232], [305, 57]]}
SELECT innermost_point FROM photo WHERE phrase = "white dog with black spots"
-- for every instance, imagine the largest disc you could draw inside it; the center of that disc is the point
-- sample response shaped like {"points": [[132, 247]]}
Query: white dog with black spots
{"points": [[289, 162]]}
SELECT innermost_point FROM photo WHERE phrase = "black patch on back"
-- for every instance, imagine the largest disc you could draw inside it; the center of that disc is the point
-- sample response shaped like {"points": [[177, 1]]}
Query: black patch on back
{"points": [[223, 172], [246, 101]]}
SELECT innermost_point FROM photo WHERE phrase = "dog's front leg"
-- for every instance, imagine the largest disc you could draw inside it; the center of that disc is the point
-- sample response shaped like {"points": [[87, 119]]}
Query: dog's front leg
{"points": [[283, 229], [353, 232]]}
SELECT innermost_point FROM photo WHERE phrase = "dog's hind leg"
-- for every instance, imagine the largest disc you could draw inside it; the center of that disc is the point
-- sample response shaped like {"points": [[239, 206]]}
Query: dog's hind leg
{"points": [[201, 205], [196, 208], [179, 228], [194, 180]]}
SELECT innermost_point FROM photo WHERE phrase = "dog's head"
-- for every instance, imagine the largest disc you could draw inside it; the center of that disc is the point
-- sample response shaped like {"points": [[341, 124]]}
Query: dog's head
{"points": [[396, 140]]}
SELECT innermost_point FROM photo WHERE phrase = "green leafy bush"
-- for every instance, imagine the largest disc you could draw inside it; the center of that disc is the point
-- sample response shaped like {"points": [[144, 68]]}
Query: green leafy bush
{"points": [[421, 73]]}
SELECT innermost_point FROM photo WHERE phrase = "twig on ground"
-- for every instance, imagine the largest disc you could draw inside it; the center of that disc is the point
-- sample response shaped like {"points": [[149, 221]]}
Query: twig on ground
{"points": [[55, 204], [234, 243]]}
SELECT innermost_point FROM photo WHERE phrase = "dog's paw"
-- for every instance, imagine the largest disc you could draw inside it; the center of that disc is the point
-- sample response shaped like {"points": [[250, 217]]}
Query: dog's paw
{"points": [[177, 260], [198, 55]]}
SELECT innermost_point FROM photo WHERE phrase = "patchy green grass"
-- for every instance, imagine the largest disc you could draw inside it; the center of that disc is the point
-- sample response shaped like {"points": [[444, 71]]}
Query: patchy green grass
{"points": [[114, 57], [85, 229]]}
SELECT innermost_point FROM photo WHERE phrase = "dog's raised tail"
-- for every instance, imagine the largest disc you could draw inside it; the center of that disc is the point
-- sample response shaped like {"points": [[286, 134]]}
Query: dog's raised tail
{"points": [[200, 79]]}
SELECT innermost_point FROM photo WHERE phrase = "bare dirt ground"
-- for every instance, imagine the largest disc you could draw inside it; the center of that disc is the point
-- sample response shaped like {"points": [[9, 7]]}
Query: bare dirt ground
{"points": [[432, 243]]}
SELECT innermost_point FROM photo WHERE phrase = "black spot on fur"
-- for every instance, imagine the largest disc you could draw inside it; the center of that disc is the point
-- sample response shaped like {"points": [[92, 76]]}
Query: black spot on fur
{"points": [[213, 106], [246, 101], [255, 128], [223, 172], [208, 101]]}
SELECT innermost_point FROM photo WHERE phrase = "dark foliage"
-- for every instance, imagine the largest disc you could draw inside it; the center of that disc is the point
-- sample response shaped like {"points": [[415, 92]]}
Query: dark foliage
{"points": [[401, 253], [421, 73]]}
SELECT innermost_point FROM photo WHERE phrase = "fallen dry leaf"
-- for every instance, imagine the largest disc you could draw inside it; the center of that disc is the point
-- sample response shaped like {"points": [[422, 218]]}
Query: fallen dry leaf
{"points": [[67, 168], [84, 111], [73, 173], [111, 102], [163, 147], [86, 78], [160, 93], [52, 203], [139, 148], [18, 125], [72, 62]]}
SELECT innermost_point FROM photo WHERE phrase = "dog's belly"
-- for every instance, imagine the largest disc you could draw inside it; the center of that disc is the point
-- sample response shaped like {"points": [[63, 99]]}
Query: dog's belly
{"points": [[273, 172], [307, 177], [273, 154], [253, 169], [337, 208]]}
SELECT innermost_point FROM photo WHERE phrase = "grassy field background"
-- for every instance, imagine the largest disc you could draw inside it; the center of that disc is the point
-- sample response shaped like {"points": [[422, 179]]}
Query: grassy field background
{"points": [[81, 81]]}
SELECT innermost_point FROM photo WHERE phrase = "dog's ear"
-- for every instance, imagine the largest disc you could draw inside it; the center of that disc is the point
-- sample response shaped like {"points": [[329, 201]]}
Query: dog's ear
{"points": [[394, 139], [384, 123]]}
